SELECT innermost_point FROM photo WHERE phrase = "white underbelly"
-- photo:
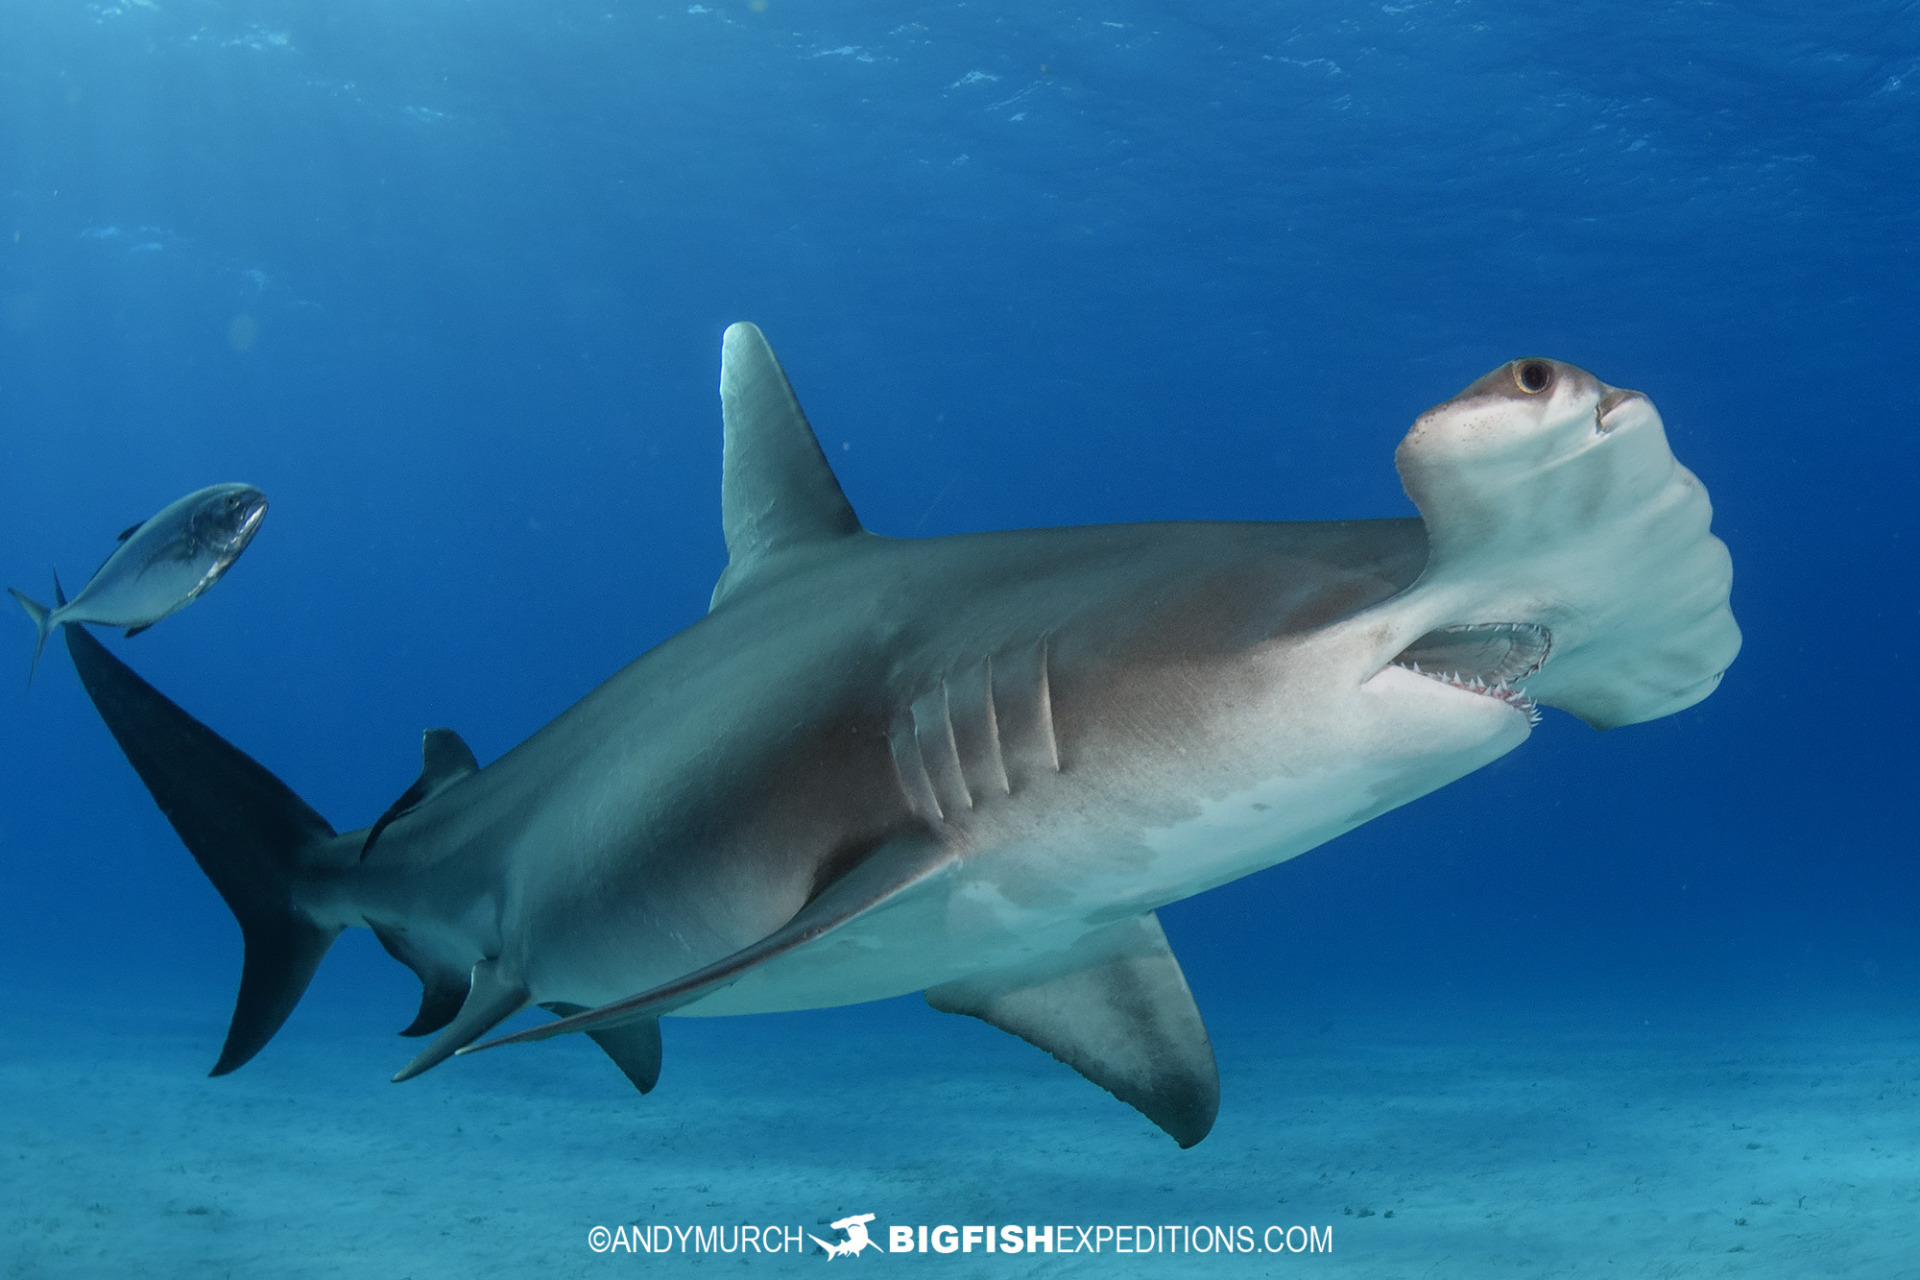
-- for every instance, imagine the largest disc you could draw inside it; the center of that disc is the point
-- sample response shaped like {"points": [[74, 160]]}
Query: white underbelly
{"points": [[1012, 905]]}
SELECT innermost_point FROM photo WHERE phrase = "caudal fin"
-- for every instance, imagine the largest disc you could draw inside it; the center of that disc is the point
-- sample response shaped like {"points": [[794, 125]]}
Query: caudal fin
{"points": [[249, 832], [42, 623], [42, 620]]}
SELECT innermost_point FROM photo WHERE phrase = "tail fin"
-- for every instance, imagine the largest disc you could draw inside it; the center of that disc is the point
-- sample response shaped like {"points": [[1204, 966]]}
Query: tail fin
{"points": [[42, 622], [252, 836], [42, 619]]}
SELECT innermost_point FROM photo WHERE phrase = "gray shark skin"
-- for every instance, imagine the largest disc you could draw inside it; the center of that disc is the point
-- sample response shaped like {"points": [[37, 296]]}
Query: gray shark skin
{"points": [[162, 565], [975, 766]]}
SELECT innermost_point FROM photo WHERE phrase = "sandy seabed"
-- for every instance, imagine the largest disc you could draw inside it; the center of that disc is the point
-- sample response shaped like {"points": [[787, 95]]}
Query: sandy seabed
{"points": [[1460, 1147]]}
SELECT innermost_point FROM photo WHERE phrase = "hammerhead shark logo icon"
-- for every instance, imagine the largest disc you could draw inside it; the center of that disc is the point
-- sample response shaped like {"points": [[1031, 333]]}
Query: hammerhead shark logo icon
{"points": [[857, 1240]]}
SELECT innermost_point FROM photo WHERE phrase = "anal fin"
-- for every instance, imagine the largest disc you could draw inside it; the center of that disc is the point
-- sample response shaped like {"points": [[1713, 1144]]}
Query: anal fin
{"points": [[633, 1046], [443, 987], [883, 875], [1116, 1008]]}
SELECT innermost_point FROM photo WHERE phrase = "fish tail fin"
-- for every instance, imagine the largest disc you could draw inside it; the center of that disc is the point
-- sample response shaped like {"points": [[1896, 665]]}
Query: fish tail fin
{"points": [[42, 623], [252, 836]]}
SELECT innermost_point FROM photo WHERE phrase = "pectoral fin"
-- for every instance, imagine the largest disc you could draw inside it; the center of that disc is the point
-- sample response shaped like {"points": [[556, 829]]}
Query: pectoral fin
{"points": [[883, 875], [1115, 1008], [633, 1046]]}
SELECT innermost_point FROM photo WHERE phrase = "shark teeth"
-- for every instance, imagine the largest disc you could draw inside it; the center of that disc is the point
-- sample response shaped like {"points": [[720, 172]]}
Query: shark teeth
{"points": [[1487, 658], [1501, 690]]}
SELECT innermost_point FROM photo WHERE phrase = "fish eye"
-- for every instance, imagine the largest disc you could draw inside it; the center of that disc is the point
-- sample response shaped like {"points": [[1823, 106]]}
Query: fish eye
{"points": [[1533, 376]]}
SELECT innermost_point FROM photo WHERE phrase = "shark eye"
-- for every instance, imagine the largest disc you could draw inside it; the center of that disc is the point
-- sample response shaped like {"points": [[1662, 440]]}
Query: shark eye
{"points": [[1533, 376]]}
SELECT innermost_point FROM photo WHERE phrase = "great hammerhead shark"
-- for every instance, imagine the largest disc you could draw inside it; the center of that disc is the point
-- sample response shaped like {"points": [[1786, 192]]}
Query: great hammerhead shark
{"points": [[974, 766]]}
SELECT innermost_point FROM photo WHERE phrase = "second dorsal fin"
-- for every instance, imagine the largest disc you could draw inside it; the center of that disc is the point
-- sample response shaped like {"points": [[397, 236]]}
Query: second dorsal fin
{"points": [[776, 489], [444, 760]]}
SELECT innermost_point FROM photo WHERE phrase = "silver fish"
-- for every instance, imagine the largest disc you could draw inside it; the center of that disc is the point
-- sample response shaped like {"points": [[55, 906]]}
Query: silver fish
{"points": [[163, 564]]}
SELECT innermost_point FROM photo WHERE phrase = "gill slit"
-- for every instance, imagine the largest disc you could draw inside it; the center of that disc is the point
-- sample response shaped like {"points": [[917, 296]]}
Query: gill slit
{"points": [[953, 744], [910, 770], [996, 755], [1046, 708]]}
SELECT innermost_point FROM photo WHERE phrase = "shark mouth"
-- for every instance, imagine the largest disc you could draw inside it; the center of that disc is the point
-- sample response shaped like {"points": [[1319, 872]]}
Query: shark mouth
{"points": [[1487, 658]]}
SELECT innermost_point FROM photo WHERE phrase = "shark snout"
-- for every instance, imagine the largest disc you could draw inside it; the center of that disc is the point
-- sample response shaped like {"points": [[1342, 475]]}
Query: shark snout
{"points": [[1615, 404]]}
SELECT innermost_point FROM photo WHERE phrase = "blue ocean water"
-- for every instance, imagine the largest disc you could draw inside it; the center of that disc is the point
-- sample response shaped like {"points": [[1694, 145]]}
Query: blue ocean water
{"points": [[447, 281]]}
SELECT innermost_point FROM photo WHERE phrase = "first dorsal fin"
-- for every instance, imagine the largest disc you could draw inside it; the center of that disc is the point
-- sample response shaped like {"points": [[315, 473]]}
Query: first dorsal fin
{"points": [[444, 760], [776, 489]]}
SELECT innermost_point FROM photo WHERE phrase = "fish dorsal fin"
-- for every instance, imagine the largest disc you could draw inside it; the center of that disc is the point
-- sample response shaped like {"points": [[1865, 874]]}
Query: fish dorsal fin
{"points": [[129, 531], [444, 760], [776, 489]]}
